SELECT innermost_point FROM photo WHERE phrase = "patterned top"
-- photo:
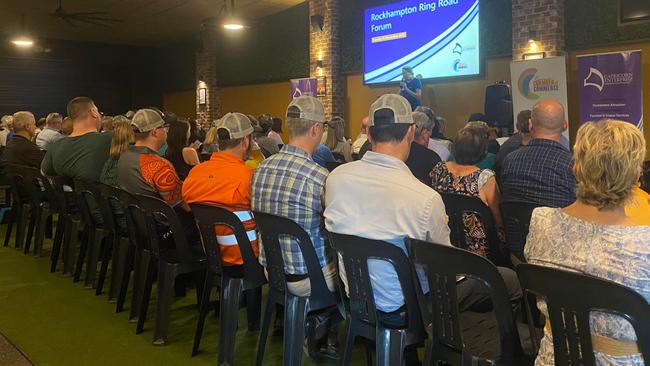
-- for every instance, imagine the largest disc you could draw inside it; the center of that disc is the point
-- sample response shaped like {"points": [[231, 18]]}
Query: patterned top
{"points": [[141, 170], [616, 253], [540, 173], [443, 181], [292, 185]]}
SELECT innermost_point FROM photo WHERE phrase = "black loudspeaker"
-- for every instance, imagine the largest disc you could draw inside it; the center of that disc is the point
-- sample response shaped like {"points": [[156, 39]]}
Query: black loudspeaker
{"points": [[498, 105], [317, 23]]}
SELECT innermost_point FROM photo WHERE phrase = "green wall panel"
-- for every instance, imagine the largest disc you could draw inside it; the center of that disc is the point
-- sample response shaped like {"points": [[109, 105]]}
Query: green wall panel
{"points": [[591, 23]]}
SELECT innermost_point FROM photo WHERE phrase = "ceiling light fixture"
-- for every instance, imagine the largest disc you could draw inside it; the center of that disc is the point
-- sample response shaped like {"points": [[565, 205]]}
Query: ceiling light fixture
{"points": [[231, 21], [23, 40]]}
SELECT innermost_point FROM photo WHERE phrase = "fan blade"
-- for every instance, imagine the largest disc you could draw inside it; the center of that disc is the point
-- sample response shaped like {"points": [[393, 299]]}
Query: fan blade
{"points": [[93, 22], [89, 13], [102, 19], [69, 22]]}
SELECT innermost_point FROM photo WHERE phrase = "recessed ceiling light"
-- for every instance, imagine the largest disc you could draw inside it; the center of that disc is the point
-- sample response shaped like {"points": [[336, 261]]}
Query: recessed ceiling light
{"points": [[23, 42], [233, 26]]}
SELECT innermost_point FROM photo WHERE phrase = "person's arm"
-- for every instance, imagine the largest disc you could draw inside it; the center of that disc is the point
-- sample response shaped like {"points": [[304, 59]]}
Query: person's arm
{"points": [[190, 156], [169, 186], [417, 93], [438, 227], [47, 167], [35, 157], [491, 195]]}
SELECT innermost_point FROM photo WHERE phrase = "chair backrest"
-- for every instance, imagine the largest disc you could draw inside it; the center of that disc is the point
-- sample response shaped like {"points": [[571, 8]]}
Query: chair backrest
{"points": [[516, 221], [355, 253], [457, 206], [91, 199], [207, 216], [273, 227], [20, 181], [331, 165], [64, 191], [570, 297], [443, 265], [111, 196], [158, 214]]}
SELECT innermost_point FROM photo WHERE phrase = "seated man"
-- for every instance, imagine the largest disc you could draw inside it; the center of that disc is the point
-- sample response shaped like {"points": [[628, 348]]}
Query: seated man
{"points": [[140, 169], [51, 132], [421, 160], [519, 139], [541, 172], [225, 180], [20, 149], [361, 139], [292, 185], [378, 198], [82, 155]]}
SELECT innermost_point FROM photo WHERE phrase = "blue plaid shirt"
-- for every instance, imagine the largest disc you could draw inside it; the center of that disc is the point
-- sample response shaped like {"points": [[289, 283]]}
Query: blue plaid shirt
{"points": [[292, 185], [539, 173]]}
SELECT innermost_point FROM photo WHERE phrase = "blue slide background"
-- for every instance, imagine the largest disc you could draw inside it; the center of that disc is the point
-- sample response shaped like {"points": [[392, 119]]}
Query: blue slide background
{"points": [[440, 43]]}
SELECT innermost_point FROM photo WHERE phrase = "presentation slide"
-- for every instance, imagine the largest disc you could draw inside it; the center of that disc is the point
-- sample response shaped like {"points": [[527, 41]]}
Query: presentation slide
{"points": [[436, 38]]}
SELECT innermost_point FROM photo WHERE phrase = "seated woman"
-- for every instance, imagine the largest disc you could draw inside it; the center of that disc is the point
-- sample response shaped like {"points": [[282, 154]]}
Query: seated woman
{"points": [[463, 177], [210, 144], [336, 141], [179, 153], [594, 236], [488, 160], [122, 137]]}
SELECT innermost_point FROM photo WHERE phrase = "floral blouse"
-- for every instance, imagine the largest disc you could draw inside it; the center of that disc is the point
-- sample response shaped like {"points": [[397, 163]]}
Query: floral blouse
{"points": [[616, 253], [443, 181]]}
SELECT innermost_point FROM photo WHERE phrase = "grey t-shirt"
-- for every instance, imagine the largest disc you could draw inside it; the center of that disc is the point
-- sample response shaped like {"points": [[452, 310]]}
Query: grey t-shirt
{"points": [[81, 157]]}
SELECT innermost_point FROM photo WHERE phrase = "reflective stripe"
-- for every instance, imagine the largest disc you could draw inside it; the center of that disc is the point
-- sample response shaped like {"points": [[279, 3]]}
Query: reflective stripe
{"points": [[232, 240], [243, 215]]}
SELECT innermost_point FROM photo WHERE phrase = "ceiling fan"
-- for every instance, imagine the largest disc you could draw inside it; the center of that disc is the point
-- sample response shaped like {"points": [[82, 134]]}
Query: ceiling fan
{"points": [[100, 18]]}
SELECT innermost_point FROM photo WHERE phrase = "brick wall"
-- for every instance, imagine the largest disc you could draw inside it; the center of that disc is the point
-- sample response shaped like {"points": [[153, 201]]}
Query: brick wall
{"points": [[545, 18], [206, 77], [325, 46]]}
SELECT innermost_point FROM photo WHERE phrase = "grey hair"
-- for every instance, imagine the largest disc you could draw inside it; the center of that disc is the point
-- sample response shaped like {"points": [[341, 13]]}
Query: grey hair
{"points": [[21, 120], [422, 123], [52, 116]]}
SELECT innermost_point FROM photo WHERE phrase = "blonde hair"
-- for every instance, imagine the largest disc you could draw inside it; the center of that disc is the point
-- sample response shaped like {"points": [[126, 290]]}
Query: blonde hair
{"points": [[22, 120], [608, 159], [210, 136], [123, 136], [335, 133]]}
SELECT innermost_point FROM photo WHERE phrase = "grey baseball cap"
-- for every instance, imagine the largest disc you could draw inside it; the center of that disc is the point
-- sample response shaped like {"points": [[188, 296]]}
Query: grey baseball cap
{"points": [[145, 120], [238, 125], [397, 104], [307, 107]]}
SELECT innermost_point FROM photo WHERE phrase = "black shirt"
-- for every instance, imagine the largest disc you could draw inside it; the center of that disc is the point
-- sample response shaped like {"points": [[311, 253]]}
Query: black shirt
{"points": [[511, 144], [21, 151], [421, 161]]}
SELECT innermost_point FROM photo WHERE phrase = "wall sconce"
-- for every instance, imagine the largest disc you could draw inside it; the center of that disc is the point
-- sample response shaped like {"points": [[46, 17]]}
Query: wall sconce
{"points": [[317, 22], [533, 51], [319, 64]]}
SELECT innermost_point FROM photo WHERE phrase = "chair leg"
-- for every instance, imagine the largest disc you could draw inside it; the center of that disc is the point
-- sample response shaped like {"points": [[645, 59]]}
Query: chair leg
{"points": [[34, 213], [390, 347], [120, 247], [295, 314], [70, 244], [10, 226], [266, 323], [146, 295], [105, 259], [58, 241], [88, 238], [166, 275], [204, 308], [94, 250], [349, 343], [231, 289], [125, 277], [141, 267], [253, 307], [44, 213], [21, 225]]}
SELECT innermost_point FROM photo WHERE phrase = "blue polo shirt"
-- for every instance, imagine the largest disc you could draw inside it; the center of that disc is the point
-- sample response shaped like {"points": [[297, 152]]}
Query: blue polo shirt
{"points": [[413, 85]]}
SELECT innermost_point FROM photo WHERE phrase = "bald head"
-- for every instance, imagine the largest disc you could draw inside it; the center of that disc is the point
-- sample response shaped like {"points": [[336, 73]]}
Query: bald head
{"points": [[547, 118]]}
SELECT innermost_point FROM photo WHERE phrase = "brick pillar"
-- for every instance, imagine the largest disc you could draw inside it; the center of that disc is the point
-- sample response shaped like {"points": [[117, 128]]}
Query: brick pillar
{"points": [[325, 46], [545, 18], [206, 77]]}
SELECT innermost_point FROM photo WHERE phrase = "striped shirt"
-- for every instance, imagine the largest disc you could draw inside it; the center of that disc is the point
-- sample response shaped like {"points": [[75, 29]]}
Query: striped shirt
{"points": [[292, 185], [539, 173]]}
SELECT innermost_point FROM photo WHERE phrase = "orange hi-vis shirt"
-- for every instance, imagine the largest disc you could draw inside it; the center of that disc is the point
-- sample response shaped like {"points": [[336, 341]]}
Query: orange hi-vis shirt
{"points": [[224, 180]]}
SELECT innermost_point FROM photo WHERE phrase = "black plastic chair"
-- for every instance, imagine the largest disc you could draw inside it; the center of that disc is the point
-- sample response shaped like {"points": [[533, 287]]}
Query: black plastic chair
{"points": [[516, 220], [457, 206], [207, 216], [572, 343], [170, 262], [443, 265], [271, 228], [123, 243], [331, 165], [21, 204], [63, 193], [94, 217], [390, 342]]}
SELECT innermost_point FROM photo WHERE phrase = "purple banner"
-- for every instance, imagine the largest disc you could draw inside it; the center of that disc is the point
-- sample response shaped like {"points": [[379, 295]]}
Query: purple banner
{"points": [[300, 87], [611, 87]]}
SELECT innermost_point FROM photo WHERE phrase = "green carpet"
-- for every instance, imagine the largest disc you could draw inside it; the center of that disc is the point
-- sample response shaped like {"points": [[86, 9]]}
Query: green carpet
{"points": [[56, 322]]}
